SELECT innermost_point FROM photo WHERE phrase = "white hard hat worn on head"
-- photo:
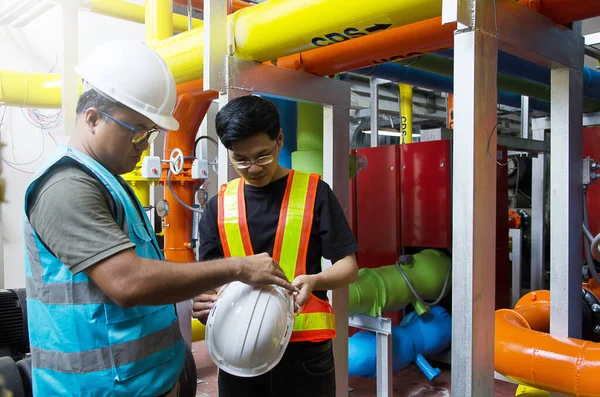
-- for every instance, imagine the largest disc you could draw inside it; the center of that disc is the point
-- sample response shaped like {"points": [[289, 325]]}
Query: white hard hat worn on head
{"points": [[133, 74], [249, 328]]}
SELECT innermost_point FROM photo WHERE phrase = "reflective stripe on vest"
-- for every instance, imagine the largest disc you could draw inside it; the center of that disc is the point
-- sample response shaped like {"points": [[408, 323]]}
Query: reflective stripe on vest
{"points": [[316, 321]]}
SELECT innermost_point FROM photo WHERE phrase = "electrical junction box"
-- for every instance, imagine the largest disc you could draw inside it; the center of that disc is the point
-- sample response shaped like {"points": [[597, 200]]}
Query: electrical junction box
{"points": [[200, 169], [151, 167]]}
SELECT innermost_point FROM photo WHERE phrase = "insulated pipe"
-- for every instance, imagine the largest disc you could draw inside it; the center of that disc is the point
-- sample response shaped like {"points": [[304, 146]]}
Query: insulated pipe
{"points": [[37, 90], [134, 12], [191, 108], [184, 54], [416, 338], [199, 4], [445, 66], [510, 65], [383, 289], [402, 74], [277, 28], [406, 99], [159, 20], [390, 45], [527, 354]]}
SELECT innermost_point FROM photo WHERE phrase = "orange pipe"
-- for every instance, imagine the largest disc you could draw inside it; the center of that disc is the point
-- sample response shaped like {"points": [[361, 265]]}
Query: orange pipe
{"points": [[398, 43], [199, 4], [565, 11], [527, 354], [191, 108]]}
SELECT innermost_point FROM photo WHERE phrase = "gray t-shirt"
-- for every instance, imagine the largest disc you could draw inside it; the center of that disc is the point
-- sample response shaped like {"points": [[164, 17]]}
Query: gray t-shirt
{"points": [[74, 215]]}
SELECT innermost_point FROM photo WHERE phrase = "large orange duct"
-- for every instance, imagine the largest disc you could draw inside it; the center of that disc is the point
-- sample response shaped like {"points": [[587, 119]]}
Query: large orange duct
{"points": [[398, 43], [192, 105], [565, 11], [199, 4], [527, 354]]}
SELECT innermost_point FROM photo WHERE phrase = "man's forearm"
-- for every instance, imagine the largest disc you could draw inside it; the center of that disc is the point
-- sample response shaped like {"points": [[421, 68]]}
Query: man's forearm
{"points": [[162, 282], [342, 273]]}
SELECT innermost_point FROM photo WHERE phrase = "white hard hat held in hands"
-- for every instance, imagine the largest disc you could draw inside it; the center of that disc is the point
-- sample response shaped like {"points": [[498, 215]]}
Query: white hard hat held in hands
{"points": [[249, 328], [132, 74]]}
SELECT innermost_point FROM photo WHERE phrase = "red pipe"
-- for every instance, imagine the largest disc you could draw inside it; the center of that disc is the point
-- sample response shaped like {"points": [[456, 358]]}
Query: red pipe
{"points": [[526, 353], [191, 108], [398, 43]]}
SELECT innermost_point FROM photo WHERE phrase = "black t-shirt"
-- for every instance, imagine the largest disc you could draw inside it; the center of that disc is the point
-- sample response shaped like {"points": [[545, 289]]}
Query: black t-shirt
{"points": [[330, 236]]}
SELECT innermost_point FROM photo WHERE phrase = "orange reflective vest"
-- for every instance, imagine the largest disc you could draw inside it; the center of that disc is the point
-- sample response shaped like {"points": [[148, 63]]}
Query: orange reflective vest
{"points": [[316, 321]]}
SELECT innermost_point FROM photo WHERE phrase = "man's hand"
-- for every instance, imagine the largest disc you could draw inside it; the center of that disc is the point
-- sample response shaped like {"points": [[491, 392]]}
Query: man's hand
{"points": [[262, 270], [202, 305], [306, 285]]}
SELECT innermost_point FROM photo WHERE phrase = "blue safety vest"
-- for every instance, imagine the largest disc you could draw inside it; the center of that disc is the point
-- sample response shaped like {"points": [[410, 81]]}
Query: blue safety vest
{"points": [[83, 344]]}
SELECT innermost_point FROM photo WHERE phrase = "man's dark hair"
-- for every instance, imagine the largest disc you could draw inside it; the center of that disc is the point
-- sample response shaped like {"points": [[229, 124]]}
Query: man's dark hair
{"points": [[246, 116], [94, 99]]}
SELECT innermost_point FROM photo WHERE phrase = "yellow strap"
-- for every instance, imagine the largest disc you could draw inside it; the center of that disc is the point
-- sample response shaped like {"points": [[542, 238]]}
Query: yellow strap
{"points": [[231, 218], [292, 235], [314, 321]]}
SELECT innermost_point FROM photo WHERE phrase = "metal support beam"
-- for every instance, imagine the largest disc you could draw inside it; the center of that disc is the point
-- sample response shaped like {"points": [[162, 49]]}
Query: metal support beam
{"points": [[474, 194], [215, 44], [538, 204], [70, 79], [383, 330], [566, 202], [336, 146], [226, 172], [534, 37], [525, 117], [516, 257], [374, 111]]}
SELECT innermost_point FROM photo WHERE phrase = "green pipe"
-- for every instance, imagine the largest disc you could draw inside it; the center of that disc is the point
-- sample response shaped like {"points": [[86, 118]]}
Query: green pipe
{"points": [[383, 289], [445, 67]]}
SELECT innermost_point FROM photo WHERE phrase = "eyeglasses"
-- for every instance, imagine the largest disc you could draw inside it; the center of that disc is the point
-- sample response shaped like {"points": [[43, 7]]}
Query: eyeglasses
{"points": [[139, 134], [262, 160]]}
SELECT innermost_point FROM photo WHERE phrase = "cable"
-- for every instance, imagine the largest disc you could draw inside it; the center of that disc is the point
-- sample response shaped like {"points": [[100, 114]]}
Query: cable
{"points": [[204, 137], [588, 234], [173, 192], [412, 289]]}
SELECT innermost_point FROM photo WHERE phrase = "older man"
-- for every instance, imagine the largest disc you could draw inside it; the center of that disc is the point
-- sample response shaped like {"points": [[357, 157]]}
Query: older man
{"points": [[102, 319]]}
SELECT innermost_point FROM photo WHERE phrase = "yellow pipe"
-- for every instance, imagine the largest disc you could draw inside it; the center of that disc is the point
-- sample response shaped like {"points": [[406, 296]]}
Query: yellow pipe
{"points": [[159, 26], [134, 13], [159, 20], [37, 90], [406, 112], [277, 28], [184, 54], [527, 391]]}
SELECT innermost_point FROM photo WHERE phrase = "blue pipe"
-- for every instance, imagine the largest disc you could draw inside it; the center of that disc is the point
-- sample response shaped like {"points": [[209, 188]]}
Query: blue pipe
{"points": [[288, 116], [402, 74], [512, 65], [414, 339]]}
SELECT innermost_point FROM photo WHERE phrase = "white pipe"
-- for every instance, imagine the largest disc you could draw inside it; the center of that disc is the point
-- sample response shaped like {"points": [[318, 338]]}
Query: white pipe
{"points": [[11, 11], [31, 14]]}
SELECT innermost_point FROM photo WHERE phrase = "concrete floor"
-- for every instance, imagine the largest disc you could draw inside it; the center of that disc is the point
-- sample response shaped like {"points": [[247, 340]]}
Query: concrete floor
{"points": [[407, 383]]}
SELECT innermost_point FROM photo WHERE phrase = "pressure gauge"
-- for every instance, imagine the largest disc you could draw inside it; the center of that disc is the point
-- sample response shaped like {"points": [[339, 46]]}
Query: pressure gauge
{"points": [[162, 208]]}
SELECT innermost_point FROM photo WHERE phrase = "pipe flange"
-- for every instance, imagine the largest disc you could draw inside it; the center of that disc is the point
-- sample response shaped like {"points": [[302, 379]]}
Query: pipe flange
{"points": [[591, 315]]}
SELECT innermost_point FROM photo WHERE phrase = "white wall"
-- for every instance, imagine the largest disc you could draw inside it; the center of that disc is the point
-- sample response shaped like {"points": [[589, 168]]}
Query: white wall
{"points": [[36, 48]]}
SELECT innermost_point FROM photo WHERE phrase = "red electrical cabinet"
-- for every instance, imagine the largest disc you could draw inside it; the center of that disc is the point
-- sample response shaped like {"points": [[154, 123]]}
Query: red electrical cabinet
{"points": [[403, 197], [378, 206], [426, 195]]}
